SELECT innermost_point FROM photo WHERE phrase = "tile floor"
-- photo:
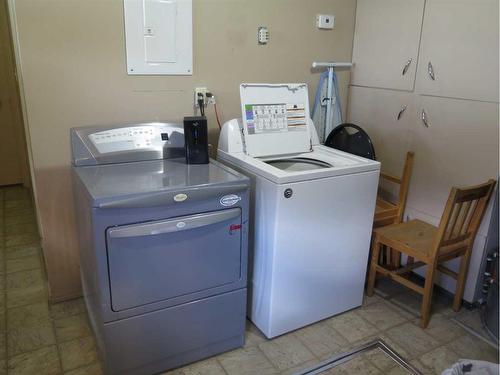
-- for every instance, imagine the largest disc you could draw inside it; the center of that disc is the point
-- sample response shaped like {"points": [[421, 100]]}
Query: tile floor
{"points": [[41, 338], [470, 320]]}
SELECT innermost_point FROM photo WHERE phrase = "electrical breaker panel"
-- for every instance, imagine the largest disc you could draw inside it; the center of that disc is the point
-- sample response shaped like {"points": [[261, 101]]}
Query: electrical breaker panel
{"points": [[159, 37]]}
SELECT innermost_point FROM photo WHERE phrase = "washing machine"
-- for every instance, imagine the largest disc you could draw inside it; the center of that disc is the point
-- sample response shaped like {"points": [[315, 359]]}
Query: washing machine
{"points": [[311, 210], [163, 247]]}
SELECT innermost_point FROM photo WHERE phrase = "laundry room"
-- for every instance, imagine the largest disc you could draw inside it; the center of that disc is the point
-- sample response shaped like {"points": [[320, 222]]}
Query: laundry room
{"points": [[236, 187]]}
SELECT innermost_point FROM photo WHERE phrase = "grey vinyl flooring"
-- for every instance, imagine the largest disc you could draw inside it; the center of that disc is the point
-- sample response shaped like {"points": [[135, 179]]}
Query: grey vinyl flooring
{"points": [[41, 338]]}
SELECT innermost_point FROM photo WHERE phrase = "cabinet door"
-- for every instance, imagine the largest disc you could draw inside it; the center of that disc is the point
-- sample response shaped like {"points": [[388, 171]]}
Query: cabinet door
{"points": [[458, 148], [460, 40], [382, 114], [386, 39]]}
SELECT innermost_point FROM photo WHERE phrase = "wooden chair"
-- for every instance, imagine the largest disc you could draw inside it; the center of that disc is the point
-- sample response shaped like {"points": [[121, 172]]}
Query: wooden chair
{"points": [[386, 212], [426, 245]]}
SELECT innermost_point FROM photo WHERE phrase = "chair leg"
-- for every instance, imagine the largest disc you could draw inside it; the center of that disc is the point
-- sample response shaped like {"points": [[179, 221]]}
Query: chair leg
{"points": [[373, 266], [410, 260], [427, 297], [381, 256], [387, 251], [396, 258], [462, 276], [392, 258]]}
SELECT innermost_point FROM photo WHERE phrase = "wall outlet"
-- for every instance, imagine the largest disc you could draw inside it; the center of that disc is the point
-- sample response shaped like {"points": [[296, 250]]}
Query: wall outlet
{"points": [[209, 99], [200, 93]]}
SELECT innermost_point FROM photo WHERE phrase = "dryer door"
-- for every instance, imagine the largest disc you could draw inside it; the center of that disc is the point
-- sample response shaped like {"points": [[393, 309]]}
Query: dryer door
{"points": [[159, 260]]}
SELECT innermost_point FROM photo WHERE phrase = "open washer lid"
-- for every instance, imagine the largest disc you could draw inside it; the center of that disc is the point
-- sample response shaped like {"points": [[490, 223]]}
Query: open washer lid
{"points": [[275, 118]]}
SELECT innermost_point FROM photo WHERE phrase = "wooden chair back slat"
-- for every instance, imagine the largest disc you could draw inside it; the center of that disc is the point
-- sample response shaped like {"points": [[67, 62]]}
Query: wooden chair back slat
{"points": [[463, 212], [405, 184], [462, 215], [467, 217], [455, 214]]}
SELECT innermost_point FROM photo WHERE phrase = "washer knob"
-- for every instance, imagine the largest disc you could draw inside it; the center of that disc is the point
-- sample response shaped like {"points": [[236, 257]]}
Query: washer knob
{"points": [[288, 193]]}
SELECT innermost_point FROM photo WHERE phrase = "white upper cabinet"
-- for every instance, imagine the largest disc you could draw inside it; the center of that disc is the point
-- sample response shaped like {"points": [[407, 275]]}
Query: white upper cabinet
{"points": [[387, 117], [459, 50], [386, 42]]}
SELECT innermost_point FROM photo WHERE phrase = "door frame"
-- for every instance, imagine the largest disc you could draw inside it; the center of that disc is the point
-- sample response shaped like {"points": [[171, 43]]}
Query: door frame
{"points": [[18, 112], [28, 173]]}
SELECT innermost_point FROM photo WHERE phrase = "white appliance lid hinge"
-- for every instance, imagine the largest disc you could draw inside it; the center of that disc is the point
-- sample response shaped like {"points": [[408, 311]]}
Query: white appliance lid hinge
{"points": [[243, 142]]}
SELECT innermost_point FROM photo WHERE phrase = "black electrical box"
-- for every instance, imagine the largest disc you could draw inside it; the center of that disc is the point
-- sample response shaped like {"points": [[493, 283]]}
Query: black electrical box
{"points": [[196, 139]]}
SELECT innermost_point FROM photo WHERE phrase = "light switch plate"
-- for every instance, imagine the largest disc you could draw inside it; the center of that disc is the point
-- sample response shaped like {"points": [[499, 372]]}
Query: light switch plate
{"points": [[325, 21]]}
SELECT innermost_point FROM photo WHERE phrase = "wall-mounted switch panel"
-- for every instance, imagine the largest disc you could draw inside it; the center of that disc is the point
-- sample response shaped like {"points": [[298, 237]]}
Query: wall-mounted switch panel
{"points": [[262, 35], [159, 36], [325, 21]]}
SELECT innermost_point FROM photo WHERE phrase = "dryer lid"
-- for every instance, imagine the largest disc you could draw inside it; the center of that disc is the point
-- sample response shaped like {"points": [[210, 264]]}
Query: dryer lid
{"points": [[275, 118]]}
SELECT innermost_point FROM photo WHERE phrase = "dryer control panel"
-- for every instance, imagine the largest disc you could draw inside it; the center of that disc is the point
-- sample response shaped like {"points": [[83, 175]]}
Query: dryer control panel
{"points": [[129, 138], [125, 143]]}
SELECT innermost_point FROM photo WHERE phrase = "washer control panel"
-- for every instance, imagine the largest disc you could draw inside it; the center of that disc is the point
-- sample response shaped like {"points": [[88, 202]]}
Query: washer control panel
{"points": [[275, 118], [263, 118]]}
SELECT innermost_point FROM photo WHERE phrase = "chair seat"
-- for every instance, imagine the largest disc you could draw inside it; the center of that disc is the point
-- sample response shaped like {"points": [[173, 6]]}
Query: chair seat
{"points": [[414, 238]]}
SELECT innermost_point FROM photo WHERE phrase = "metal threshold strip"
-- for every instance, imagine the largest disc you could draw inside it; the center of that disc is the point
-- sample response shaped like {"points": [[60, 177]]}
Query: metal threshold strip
{"points": [[347, 356]]}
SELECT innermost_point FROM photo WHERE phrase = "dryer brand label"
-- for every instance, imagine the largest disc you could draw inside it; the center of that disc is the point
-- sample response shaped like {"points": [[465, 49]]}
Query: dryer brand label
{"points": [[180, 197], [230, 200]]}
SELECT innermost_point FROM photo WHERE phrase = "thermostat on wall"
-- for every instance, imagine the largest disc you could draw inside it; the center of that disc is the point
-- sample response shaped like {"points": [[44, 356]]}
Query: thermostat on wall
{"points": [[325, 21]]}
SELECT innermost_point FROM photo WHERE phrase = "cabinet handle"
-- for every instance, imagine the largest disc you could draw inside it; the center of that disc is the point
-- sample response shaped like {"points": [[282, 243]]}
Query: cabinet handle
{"points": [[403, 109], [407, 65], [430, 70], [424, 118]]}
